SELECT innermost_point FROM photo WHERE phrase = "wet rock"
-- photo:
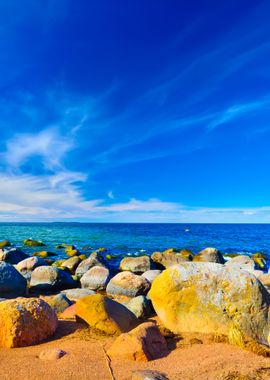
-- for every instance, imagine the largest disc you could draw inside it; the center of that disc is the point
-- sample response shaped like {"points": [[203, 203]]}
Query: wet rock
{"points": [[12, 283], [150, 275], [143, 343], [78, 293], [44, 254], [51, 354], [148, 374], [5, 243], [71, 264], [105, 315], [33, 243], [211, 298], [140, 306], [58, 302], [46, 279], [87, 264], [12, 255], [25, 321], [135, 264], [210, 255], [95, 278], [128, 284]]}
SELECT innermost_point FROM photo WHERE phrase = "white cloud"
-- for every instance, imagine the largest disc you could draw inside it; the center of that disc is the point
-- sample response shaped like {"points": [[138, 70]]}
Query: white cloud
{"points": [[110, 194]]}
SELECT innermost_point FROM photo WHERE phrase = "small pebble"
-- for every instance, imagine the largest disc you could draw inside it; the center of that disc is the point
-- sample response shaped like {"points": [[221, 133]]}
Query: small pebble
{"points": [[52, 354]]}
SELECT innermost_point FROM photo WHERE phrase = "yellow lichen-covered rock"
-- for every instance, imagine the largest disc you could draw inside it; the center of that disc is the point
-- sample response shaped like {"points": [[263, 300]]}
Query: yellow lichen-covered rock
{"points": [[5, 243], [144, 343], [33, 243], [259, 259], [211, 298], [105, 314], [71, 263], [25, 321], [43, 254]]}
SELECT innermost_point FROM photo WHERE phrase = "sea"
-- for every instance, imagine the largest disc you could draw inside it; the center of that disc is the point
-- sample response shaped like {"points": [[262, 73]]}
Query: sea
{"points": [[135, 239]]}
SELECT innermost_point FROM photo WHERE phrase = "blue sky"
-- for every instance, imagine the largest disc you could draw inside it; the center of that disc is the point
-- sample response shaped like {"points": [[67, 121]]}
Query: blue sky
{"points": [[138, 111]]}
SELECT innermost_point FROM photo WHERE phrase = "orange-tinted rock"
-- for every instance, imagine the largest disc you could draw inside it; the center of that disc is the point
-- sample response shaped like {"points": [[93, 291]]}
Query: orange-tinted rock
{"points": [[68, 313], [25, 321], [144, 343], [105, 314]]}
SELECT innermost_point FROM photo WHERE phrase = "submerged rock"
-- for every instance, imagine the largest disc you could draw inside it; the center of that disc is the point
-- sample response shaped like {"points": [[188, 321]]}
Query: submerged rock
{"points": [[44, 254], [144, 343], [5, 243], [210, 255], [33, 243], [12, 255], [128, 284], [87, 264], [25, 321], [95, 278], [135, 264], [105, 314], [12, 283], [46, 279], [211, 298]]}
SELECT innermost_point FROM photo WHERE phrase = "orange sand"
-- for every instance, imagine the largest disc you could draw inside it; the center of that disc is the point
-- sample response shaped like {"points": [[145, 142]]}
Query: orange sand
{"points": [[86, 359]]}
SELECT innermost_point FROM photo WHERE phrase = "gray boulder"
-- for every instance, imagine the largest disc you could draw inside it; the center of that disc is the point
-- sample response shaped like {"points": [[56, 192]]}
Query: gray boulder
{"points": [[135, 264], [26, 266], [140, 306], [128, 284], [77, 293], [150, 275], [95, 278], [87, 264], [47, 279]]}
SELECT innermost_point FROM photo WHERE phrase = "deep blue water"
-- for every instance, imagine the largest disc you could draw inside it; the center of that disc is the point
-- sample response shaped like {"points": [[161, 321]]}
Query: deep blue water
{"points": [[135, 239]]}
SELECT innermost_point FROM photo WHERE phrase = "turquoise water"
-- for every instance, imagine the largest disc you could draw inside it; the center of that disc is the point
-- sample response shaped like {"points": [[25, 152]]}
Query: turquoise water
{"points": [[135, 239]]}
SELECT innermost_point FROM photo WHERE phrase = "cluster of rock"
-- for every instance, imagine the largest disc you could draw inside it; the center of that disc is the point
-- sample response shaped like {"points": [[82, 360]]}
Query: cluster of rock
{"points": [[205, 293]]}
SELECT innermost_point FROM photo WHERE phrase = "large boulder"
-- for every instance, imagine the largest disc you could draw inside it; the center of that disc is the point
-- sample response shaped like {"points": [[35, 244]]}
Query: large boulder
{"points": [[171, 257], [26, 267], [25, 321], [140, 306], [12, 283], [143, 343], [135, 264], [12, 255], [87, 264], [95, 278], [47, 279], [211, 298], [128, 284], [210, 255], [105, 314], [242, 261]]}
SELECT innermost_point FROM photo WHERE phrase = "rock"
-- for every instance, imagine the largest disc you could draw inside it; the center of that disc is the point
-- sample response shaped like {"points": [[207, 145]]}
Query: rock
{"points": [[5, 243], [143, 343], [51, 354], [135, 264], [210, 255], [12, 255], [105, 315], [58, 302], [241, 260], [33, 243], [25, 321], [73, 252], [211, 298], [260, 260], [265, 280], [150, 275], [140, 306], [47, 278], [87, 264], [58, 263], [128, 284], [95, 278], [170, 257], [25, 267], [71, 263], [78, 293], [12, 283], [69, 313], [148, 374], [44, 254]]}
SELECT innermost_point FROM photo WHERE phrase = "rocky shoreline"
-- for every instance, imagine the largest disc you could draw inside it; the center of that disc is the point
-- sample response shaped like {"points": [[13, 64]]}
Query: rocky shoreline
{"points": [[142, 305]]}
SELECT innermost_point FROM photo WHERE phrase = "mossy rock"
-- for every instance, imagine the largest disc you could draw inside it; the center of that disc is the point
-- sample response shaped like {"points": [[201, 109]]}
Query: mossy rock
{"points": [[259, 259], [82, 257], [60, 246], [5, 243], [73, 252], [44, 254], [231, 255], [58, 263], [33, 243]]}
